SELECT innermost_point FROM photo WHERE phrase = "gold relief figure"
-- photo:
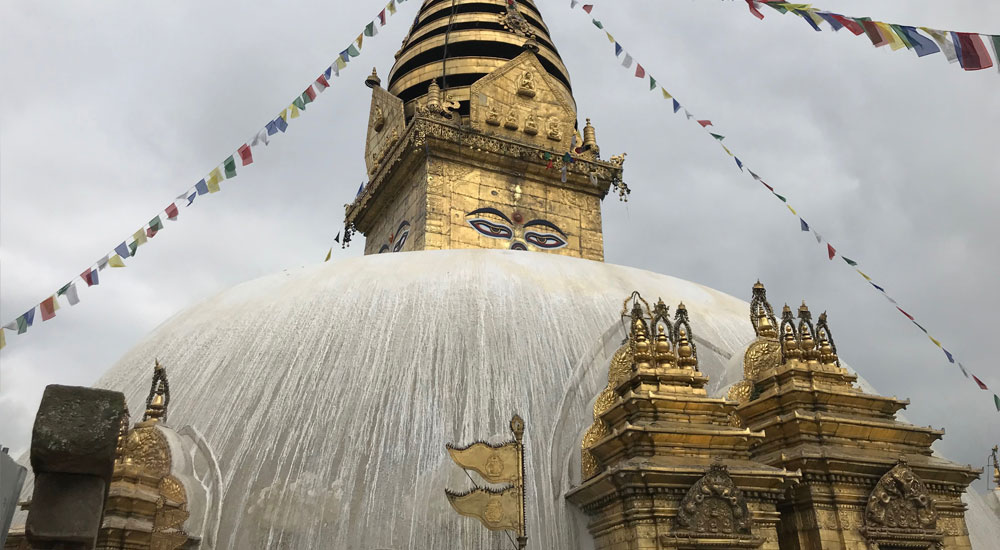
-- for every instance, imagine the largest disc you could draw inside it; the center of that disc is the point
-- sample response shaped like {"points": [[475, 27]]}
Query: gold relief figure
{"points": [[378, 119], [510, 121], [618, 160], [555, 132], [450, 104], [526, 87], [531, 125], [493, 117]]}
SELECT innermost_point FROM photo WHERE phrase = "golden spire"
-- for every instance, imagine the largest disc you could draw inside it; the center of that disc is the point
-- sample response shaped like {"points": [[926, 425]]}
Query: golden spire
{"points": [[789, 341], [807, 338], [159, 396], [590, 138], [664, 355], [827, 349], [761, 313], [640, 339], [687, 351], [373, 81]]}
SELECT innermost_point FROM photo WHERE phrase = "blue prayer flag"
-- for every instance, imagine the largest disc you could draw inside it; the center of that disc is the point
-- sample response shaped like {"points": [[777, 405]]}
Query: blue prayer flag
{"points": [[829, 18], [618, 49], [920, 327], [345, 56], [876, 286], [281, 124], [360, 189], [122, 250], [29, 317], [738, 163], [948, 354], [921, 44], [677, 106], [201, 187], [808, 19], [191, 198], [805, 226], [272, 128], [328, 72]]}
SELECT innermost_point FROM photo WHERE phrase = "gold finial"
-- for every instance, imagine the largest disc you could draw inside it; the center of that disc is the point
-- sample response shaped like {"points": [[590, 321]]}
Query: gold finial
{"points": [[789, 341], [827, 347], [807, 335], [159, 396], [373, 81], [761, 313], [764, 327], [531, 45], [664, 355], [640, 339], [433, 103], [687, 351], [685, 354], [589, 137]]}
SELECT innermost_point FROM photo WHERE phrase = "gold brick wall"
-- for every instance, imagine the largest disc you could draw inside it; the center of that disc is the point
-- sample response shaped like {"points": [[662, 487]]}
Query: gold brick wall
{"points": [[408, 205]]}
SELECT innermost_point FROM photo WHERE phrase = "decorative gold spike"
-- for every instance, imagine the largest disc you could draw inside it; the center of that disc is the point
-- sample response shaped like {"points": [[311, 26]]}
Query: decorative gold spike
{"points": [[789, 341], [682, 324], [664, 355], [761, 313], [764, 327], [159, 396], [373, 81], [807, 335], [640, 339], [590, 139], [685, 353]]}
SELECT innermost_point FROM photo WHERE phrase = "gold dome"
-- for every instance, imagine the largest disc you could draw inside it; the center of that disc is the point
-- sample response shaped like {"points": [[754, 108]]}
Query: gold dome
{"points": [[484, 35]]}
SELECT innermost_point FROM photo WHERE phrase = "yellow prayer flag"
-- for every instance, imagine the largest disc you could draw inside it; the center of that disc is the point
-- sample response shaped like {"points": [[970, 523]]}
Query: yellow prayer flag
{"points": [[894, 41], [727, 150], [215, 177], [497, 510], [665, 94], [936, 343], [867, 278], [116, 261], [360, 38], [328, 254], [341, 63], [497, 464], [610, 38], [811, 14], [391, 6], [139, 237], [284, 115], [293, 111], [3, 340], [792, 209]]}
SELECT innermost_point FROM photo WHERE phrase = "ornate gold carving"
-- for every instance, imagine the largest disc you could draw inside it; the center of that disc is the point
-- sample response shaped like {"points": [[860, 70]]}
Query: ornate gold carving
{"points": [[714, 506], [531, 124], [147, 449], [618, 160], [513, 21], [554, 129], [900, 501], [493, 117], [510, 121], [378, 119], [159, 396], [526, 87]]}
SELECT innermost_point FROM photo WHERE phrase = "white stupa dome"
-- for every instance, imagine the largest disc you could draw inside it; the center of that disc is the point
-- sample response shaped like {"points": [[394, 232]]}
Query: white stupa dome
{"points": [[328, 393]]}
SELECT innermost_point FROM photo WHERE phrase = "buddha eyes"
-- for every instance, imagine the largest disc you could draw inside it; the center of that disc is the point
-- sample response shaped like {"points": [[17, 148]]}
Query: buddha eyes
{"points": [[384, 249], [400, 241], [492, 230], [547, 241]]}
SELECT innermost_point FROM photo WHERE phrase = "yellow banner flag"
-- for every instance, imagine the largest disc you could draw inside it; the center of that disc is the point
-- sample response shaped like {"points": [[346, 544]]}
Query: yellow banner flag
{"points": [[293, 111], [214, 178], [497, 510], [328, 254], [894, 41], [935, 340], [867, 278], [3, 340], [391, 6], [497, 464], [116, 261], [341, 63], [665, 94], [139, 237], [792, 209], [610, 38], [360, 39]]}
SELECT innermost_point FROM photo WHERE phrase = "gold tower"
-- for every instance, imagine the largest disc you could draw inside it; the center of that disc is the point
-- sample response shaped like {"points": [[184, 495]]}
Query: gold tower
{"points": [[475, 142], [868, 479]]}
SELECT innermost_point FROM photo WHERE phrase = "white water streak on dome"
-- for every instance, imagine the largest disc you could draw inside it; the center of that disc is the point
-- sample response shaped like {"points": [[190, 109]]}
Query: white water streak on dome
{"points": [[328, 393]]}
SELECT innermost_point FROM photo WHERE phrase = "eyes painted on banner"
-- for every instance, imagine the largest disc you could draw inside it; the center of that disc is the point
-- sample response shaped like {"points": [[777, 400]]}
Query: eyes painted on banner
{"points": [[397, 239], [541, 234]]}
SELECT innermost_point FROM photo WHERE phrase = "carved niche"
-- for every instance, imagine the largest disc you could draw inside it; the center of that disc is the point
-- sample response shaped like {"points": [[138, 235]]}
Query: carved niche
{"points": [[714, 507], [900, 511], [523, 90], [386, 123]]}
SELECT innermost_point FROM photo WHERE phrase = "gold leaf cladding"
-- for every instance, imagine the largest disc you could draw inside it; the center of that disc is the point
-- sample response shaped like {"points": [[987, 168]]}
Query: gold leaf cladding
{"points": [[714, 506], [147, 448], [619, 370], [900, 501]]}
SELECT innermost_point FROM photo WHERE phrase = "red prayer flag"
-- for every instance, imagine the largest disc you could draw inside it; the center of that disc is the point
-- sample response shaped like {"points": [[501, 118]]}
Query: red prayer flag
{"points": [[753, 9], [831, 250], [172, 211], [705, 123], [908, 316], [549, 165], [639, 71], [978, 381], [768, 186], [322, 82], [874, 34], [851, 24], [974, 54], [311, 93], [588, 7], [150, 232], [381, 17], [246, 154], [88, 277], [48, 308]]}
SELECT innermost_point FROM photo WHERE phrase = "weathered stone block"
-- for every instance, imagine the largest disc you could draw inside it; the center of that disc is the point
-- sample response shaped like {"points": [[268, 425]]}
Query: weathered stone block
{"points": [[76, 431], [65, 510]]}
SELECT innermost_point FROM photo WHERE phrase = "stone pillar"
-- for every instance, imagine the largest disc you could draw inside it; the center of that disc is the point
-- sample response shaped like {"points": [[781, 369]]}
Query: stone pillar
{"points": [[73, 450], [11, 479]]}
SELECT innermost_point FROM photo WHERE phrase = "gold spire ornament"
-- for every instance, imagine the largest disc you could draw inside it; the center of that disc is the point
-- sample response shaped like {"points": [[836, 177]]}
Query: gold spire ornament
{"points": [[373, 81], [497, 509], [159, 396]]}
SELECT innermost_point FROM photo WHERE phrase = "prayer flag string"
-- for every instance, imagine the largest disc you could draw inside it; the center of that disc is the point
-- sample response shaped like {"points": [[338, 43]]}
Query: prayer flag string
{"points": [[211, 183], [969, 50], [830, 251]]}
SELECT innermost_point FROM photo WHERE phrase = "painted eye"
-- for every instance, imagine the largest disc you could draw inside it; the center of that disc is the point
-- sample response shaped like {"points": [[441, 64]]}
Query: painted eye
{"points": [[400, 241], [492, 230], [547, 241], [518, 246], [384, 249]]}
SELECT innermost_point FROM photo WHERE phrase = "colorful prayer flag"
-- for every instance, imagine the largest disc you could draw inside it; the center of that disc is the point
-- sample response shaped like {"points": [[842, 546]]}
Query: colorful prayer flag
{"points": [[322, 83], [91, 277], [391, 6], [851, 25], [381, 18], [951, 359], [246, 155], [155, 225], [116, 261], [873, 32], [894, 42], [753, 9], [588, 7], [996, 401], [666, 95], [738, 163], [370, 29], [201, 187], [677, 106], [849, 261], [639, 71], [48, 308], [3, 342], [310, 94], [328, 254], [597, 23], [944, 42], [71, 294], [214, 177], [721, 137], [191, 198], [973, 53], [982, 386], [782, 198], [172, 211], [804, 225], [652, 83], [792, 210], [705, 123], [352, 51], [808, 18], [627, 62], [281, 124], [830, 250], [829, 18], [122, 250], [908, 316]]}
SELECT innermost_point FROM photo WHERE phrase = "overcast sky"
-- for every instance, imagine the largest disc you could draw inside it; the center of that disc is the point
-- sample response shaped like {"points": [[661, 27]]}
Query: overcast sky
{"points": [[109, 110]]}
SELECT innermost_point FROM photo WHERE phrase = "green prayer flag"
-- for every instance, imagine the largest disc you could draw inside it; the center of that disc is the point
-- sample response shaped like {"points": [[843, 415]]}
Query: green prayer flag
{"points": [[849, 261], [63, 289], [652, 83], [996, 400], [352, 51], [783, 199], [22, 325], [155, 224], [230, 166], [902, 36], [305, 99], [598, 24], [718, 137], [370, 29], [300, 103], [132, 247]]}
